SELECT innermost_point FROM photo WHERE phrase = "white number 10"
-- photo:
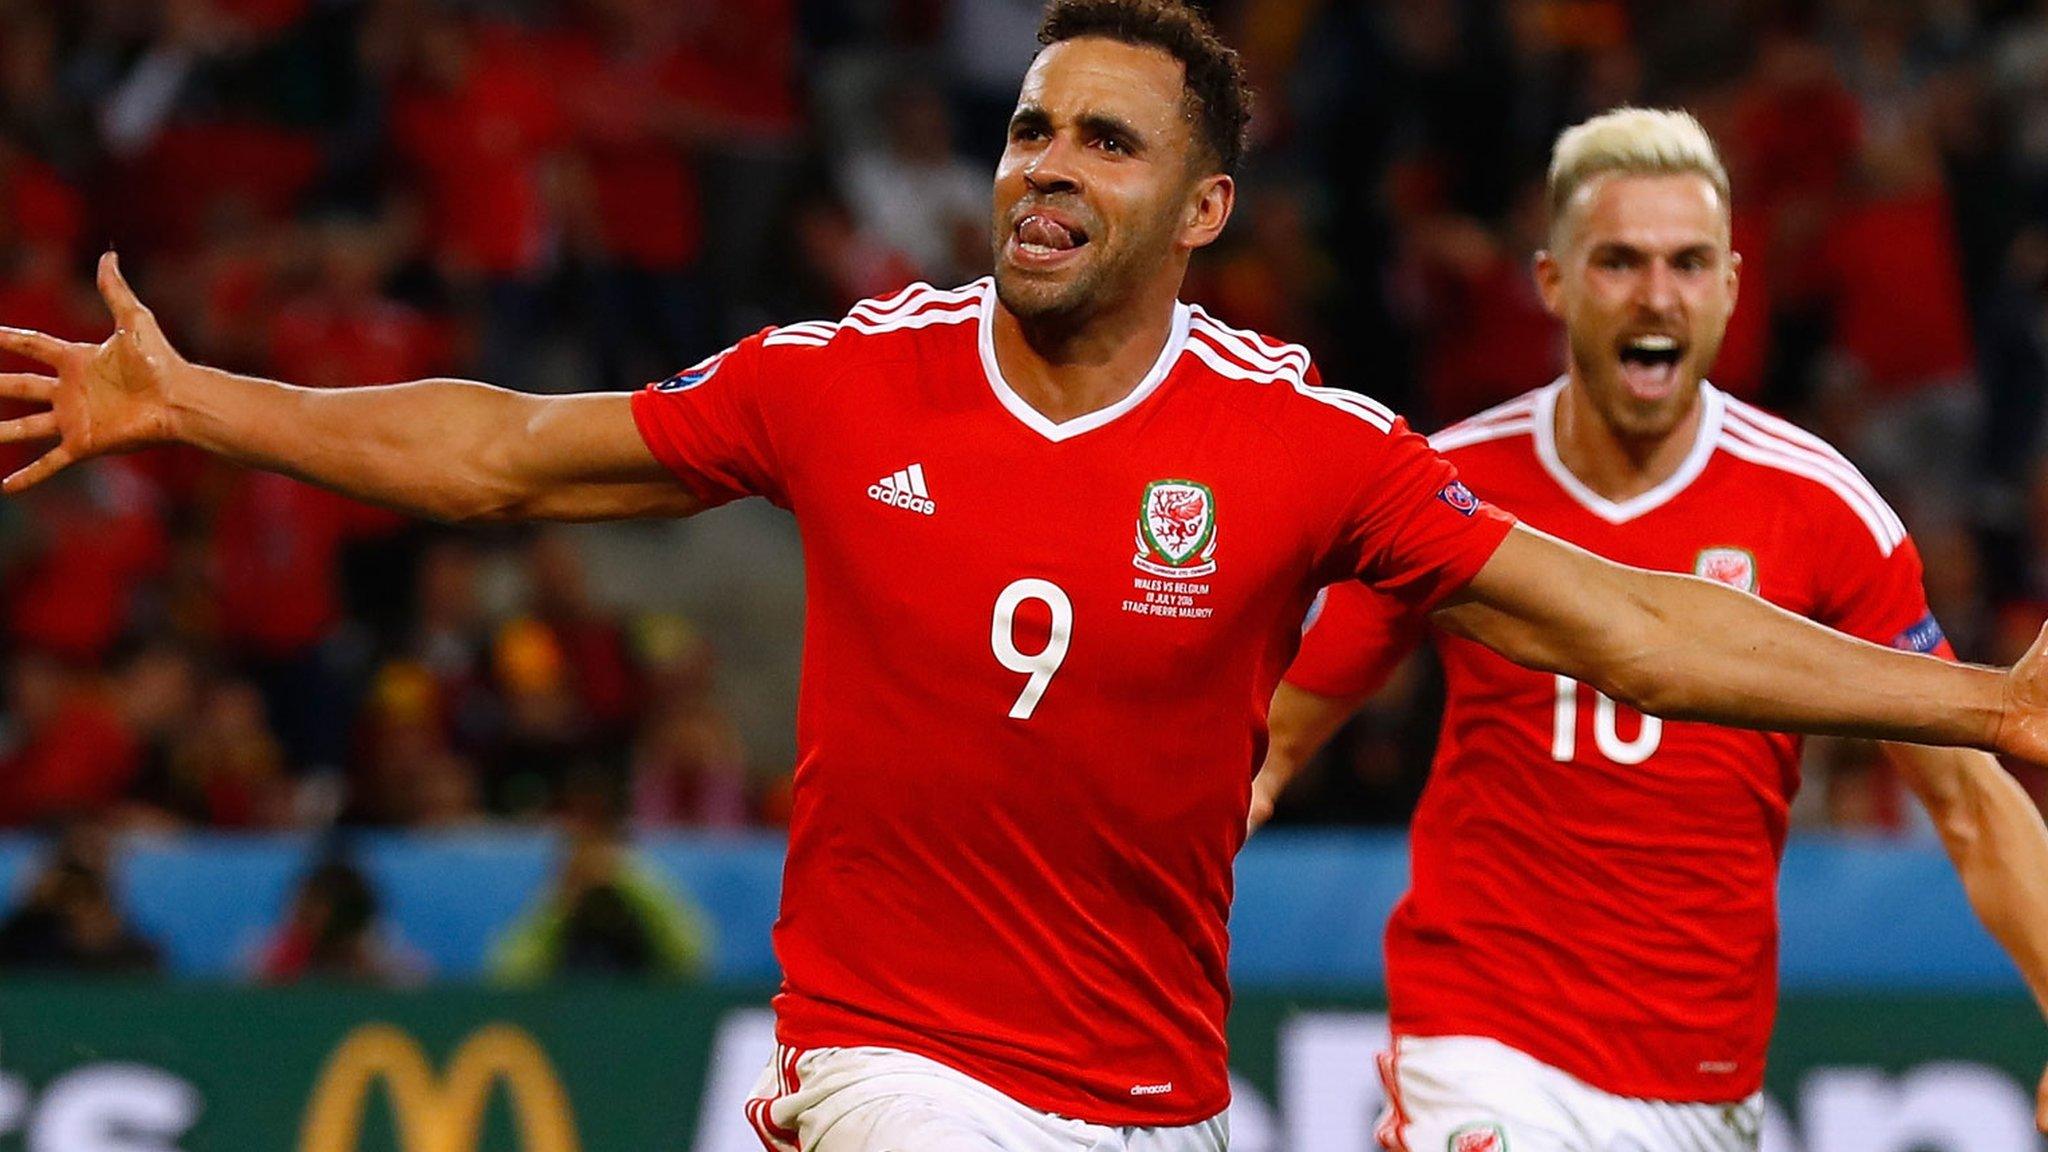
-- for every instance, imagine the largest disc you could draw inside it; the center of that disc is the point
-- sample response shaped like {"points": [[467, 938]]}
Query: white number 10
{"points": [[1041, 665], [1564, 737]]}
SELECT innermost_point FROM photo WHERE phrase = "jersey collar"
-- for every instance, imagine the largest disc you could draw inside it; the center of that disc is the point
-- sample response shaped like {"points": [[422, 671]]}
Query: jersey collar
{"points": [[1058, 430], [1713, 403]]}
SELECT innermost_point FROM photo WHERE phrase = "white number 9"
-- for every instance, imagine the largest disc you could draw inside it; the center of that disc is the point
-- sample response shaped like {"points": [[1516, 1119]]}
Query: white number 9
{"points": [[1041, 665]]}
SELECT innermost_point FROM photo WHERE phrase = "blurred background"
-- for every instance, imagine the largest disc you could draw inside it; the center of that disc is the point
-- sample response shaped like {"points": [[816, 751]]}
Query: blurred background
{"points": [[254, 732]]}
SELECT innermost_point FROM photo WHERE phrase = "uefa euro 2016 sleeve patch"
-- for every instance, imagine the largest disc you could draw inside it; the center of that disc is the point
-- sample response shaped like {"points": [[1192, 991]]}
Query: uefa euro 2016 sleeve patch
{"points": [[1459, 497], [690, 377]]}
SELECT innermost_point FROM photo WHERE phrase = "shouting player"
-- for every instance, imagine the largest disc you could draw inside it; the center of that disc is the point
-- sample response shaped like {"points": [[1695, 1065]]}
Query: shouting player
{"points": [[1060, 532], [1587, 959]]}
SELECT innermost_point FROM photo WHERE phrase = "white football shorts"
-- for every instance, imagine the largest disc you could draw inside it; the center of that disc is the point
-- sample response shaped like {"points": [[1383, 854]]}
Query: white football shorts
{"points": [[885, 1100], [1470, 1094]]}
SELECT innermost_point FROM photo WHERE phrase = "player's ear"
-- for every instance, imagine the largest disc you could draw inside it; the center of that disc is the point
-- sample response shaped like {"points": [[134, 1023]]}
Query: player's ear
{"points": [[1734, 279], [1549, 277], [1208, 210]]}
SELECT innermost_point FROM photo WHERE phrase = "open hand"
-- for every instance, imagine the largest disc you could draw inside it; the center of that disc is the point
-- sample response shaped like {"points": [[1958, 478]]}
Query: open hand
{"points": [[106, 397]]}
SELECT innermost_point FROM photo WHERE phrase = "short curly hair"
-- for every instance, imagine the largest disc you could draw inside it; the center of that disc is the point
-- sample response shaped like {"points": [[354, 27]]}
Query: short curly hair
{"points": [[1219, 95]]}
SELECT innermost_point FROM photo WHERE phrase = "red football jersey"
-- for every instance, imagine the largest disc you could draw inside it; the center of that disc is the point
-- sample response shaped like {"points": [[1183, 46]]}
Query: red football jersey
{"points": [[1036, 662], [1593, 886]]}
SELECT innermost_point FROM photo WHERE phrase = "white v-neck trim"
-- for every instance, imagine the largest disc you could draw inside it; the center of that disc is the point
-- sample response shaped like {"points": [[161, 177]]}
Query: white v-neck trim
{"points": [[1712, 405], [1058, 430]]}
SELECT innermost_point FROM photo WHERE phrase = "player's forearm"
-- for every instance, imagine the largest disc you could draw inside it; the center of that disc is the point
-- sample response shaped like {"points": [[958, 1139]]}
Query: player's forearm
{"points": [[1685, 648], [1995, 837], [1701, 651], [1299, 723], [435, 448]]}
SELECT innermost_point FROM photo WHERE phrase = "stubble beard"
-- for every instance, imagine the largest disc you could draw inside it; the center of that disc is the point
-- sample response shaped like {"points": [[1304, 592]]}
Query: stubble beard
{"points": [[1034, 300]]}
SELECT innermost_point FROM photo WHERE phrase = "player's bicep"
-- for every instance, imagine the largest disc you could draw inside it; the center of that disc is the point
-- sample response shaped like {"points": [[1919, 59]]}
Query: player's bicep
{"points": [[1548, 605], [581, 457]]}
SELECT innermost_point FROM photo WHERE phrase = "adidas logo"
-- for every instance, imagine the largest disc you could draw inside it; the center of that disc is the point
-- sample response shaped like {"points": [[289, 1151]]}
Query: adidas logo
{"points": [[904, 489]]}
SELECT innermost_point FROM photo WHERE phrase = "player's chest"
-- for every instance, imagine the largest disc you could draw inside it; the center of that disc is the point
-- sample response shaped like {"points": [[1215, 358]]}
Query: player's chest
{"points": [[1159, 533], [1730, 536]]}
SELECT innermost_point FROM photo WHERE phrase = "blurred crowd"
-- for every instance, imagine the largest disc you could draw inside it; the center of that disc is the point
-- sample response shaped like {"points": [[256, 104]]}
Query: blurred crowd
{"points": [[606, 913], [575, 194]]}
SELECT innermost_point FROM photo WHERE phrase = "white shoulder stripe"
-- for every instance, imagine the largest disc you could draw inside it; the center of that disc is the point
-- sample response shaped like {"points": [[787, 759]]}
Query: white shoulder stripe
{"points": [[1783, 427], [1369, 411], [1825, 457], [886, 303], [1267, 371], [817, 334], [1519, 408], [1887, 538], [924, 318], [1237, 369], [1766, 423], [1467, 434], [1359, 406], [909, 299], [1249, 345]]}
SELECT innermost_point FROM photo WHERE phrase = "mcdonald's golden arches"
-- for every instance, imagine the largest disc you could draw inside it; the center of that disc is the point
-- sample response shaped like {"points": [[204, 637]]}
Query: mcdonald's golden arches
{"points": [[435, 1114]]}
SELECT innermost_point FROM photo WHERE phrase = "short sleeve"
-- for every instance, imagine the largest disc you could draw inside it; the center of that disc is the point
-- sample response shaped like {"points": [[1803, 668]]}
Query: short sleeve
{"points": [[714, 424], [1881, 598], [1410, 529], [1354, 639]]}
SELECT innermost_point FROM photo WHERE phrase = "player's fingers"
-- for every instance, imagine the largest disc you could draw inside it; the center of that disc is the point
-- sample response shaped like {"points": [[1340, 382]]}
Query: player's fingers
{"points": [[27, 386], [41, 426], [38, 470], [127, 308], [35, 345]]}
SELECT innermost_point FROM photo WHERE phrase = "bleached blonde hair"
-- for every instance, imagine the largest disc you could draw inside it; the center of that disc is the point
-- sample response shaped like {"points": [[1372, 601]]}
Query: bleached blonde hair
{"points": [[1636, 142]]}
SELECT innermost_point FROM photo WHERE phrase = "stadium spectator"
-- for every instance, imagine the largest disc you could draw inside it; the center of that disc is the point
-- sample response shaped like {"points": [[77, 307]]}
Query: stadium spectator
{"points": [[74, 757], [608, 913], [917, 195], [333, 930], [77, 563], [68, 922], [633, 204], [479, 131], [688, 765], [598, 664]]}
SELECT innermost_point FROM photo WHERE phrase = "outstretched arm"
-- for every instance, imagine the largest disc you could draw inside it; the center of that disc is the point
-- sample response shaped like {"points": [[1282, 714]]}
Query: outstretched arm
{"points": [[1685, 648], [445, 449], [1995, 837]]}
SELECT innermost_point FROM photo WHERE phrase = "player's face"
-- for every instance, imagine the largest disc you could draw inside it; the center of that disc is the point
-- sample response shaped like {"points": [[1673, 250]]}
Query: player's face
{"points": [[1099, 189], [1644, 280]]}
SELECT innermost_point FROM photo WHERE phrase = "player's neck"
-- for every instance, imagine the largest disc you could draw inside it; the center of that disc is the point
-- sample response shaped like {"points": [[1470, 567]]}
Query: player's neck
{"points": [[1616, 466], [1067, 370]]}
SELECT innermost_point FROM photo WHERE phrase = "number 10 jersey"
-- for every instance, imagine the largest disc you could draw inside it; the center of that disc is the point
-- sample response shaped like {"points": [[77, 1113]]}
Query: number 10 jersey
{"points": [[1590, 885]]}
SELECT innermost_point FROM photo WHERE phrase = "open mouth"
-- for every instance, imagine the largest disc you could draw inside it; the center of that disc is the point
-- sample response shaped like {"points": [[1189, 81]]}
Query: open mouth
{"points": [[1040, 238], [1649, 365]]}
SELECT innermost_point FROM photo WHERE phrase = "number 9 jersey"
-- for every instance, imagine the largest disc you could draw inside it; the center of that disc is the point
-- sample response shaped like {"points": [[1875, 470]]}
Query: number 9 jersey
{"points": [[1036, 662], [1593, 886]]}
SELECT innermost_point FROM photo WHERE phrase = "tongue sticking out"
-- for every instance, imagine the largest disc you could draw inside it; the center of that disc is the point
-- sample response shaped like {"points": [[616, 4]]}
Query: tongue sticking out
{"points": [[1044, 233]]}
